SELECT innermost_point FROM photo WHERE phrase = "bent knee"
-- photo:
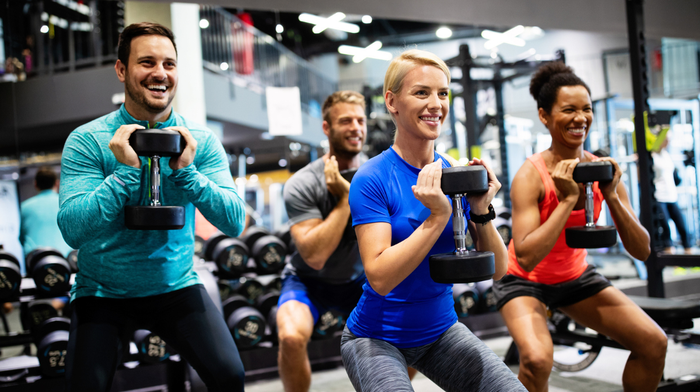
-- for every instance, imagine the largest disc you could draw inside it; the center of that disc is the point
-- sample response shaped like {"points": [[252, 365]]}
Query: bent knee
{"points": [[537, 363], [292, 341], [654, 347]]}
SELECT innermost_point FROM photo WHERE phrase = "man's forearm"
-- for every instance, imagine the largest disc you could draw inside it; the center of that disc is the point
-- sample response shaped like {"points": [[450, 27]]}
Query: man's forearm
{"points": [[319, 243]]}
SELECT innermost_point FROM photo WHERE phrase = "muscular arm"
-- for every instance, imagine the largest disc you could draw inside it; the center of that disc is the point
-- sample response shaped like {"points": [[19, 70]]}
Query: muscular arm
{"points": [[89, 201], [531, 240], [316, 239], [634, 236]]}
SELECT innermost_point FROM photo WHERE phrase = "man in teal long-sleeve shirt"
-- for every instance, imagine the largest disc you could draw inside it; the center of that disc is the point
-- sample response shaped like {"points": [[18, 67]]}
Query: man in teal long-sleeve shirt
{"points": [[144, 278], [38, 225]]}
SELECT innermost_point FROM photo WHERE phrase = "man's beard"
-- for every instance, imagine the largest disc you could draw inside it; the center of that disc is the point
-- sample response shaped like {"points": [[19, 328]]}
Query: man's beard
{"points": [[337, 142], [142, 101]]}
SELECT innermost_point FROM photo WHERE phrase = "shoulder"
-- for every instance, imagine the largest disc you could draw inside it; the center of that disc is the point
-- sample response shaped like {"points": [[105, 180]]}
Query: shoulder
{"points": [[527, 178], [306, 177], [107, 123], [199, 131]]}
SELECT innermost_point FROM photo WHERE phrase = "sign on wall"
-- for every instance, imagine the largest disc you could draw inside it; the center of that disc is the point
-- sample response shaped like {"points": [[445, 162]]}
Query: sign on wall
{"points": [[284, 111]]}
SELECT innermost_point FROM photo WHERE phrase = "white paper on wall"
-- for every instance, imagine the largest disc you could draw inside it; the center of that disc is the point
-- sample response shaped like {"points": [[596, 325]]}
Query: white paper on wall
{"points": [[284, 111]]}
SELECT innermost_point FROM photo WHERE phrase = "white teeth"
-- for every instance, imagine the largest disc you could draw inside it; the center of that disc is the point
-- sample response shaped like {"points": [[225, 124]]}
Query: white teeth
{"points": [[577, 130], [156, 87], [430, 118]]}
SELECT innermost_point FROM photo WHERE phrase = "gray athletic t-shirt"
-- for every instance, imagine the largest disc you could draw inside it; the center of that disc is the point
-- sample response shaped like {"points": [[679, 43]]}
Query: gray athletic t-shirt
{"points": [[306, 197]]}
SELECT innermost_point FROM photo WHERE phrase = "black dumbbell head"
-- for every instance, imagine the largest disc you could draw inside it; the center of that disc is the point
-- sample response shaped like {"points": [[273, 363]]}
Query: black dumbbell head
{"points": [[247, 324], [36, 313], [231, 257], [252, 234], [154, 217], [50, 272], [328, 324], [466, 268], [601, 171], [464, 179], [52, 345], [161, 142], [210, 245], [269, 253], [199, 246], [591, 237], [73, 260], [10, 275], [274, 284], [265, 302], [348, 174], [151, 348], [250, 288], [37, 254]]}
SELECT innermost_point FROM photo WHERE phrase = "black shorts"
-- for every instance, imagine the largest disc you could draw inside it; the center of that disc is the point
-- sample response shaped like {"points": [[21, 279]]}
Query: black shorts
{"points": [[553, 295]]}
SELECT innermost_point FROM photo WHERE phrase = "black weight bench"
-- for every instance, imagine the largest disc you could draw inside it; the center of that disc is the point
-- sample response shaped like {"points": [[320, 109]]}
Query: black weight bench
{"points": [[669, 313]]}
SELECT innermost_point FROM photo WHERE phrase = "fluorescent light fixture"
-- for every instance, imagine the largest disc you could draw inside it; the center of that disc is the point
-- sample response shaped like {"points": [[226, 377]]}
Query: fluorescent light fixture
{"points": [[223, 66], [526, 54], [366, 19], [203, 23], [444, 32], [508, 37], [44, 29], [279, 28], [372, 51], [332, 22]]}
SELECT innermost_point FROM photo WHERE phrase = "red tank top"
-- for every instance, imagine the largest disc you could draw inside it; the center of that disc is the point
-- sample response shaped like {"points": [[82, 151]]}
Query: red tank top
{"points": [[562, 264]]}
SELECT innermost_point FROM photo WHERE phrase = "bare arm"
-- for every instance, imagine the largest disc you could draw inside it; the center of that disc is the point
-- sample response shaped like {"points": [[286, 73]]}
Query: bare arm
{"points": [[634, 236], [531, 240], [387, 266], [316, 239]]}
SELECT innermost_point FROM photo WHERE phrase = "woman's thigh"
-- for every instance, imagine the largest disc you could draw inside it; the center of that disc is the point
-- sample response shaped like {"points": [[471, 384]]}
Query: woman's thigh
{"points": [[459, 361], [374, 365]]}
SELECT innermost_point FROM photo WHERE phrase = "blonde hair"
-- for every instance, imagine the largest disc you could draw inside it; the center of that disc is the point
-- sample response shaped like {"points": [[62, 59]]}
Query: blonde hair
{"points": [[345, 96], [400, 66]]}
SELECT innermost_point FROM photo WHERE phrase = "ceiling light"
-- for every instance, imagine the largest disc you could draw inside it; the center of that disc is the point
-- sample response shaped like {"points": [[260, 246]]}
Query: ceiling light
{"points": [[250, 160], [203, 23], [223, 66], [444, 32], [509, 37], [279, 28], [372, 51], [332, 22], [282, 162], [366, 19], [44, 29]]}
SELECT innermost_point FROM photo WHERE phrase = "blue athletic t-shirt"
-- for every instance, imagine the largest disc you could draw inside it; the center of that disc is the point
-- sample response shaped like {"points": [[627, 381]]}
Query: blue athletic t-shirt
{"points": [[418, 310]]}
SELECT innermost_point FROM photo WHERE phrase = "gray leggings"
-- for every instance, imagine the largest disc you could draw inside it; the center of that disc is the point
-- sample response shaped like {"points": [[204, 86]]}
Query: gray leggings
{"points": [[457, 361]]}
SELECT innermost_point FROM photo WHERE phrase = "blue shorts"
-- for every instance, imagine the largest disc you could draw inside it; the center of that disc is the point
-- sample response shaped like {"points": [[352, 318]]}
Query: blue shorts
{"points": [[321, 297]]}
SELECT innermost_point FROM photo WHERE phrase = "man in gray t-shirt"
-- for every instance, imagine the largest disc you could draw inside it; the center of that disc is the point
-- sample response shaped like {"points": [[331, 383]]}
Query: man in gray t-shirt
{"points": [[326, 270]]}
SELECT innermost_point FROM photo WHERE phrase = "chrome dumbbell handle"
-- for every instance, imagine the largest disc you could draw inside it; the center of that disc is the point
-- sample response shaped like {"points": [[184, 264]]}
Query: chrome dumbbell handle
{"points": [[590, 221], [458, 226], [155, 180]]}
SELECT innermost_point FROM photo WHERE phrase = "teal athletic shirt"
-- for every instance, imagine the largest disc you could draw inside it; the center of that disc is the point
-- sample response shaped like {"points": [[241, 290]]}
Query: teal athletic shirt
{"points": [[38, 225], [116, 262], [418, 310]]}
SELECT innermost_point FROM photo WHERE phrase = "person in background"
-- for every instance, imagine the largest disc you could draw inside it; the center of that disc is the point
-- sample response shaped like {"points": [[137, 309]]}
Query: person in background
{"points": [[38, 226], [666, 194]]}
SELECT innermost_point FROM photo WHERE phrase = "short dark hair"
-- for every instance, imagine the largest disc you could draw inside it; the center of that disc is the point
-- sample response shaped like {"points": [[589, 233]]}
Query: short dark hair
{"points": [[346, 96], [136, 30], [545, 83], [45, 178]]}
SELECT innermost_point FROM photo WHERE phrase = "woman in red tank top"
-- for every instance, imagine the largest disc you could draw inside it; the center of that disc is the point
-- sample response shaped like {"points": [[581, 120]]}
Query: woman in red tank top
{"points": [[544, 272]]}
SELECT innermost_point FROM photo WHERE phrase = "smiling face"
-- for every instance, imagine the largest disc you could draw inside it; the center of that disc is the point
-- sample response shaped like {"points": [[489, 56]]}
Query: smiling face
{"points": [[571, 116], [150, 79], [421, 106], [347, 130]]}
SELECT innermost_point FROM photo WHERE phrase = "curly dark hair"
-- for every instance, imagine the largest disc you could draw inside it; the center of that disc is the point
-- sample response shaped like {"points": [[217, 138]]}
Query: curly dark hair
{"points": [[545, 83]]}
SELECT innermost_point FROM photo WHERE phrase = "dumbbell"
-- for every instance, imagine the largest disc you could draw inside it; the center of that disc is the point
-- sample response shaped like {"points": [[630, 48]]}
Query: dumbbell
{"points": [[150, 347], [155, 144], [286, 236], [72, 259], [591, 235], [199, 246], [487, 298], [466, 299], [267, 305], [328, 324], [274, 284], [229, 254], [10, 275], [462, 266], [268, 251], [35, 313], [51, 339], [49, 270], [247, 324]]}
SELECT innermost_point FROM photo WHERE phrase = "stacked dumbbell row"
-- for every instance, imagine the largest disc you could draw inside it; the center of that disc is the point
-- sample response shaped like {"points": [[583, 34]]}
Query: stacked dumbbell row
{"points": [[474, 298], [49, 270]]}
